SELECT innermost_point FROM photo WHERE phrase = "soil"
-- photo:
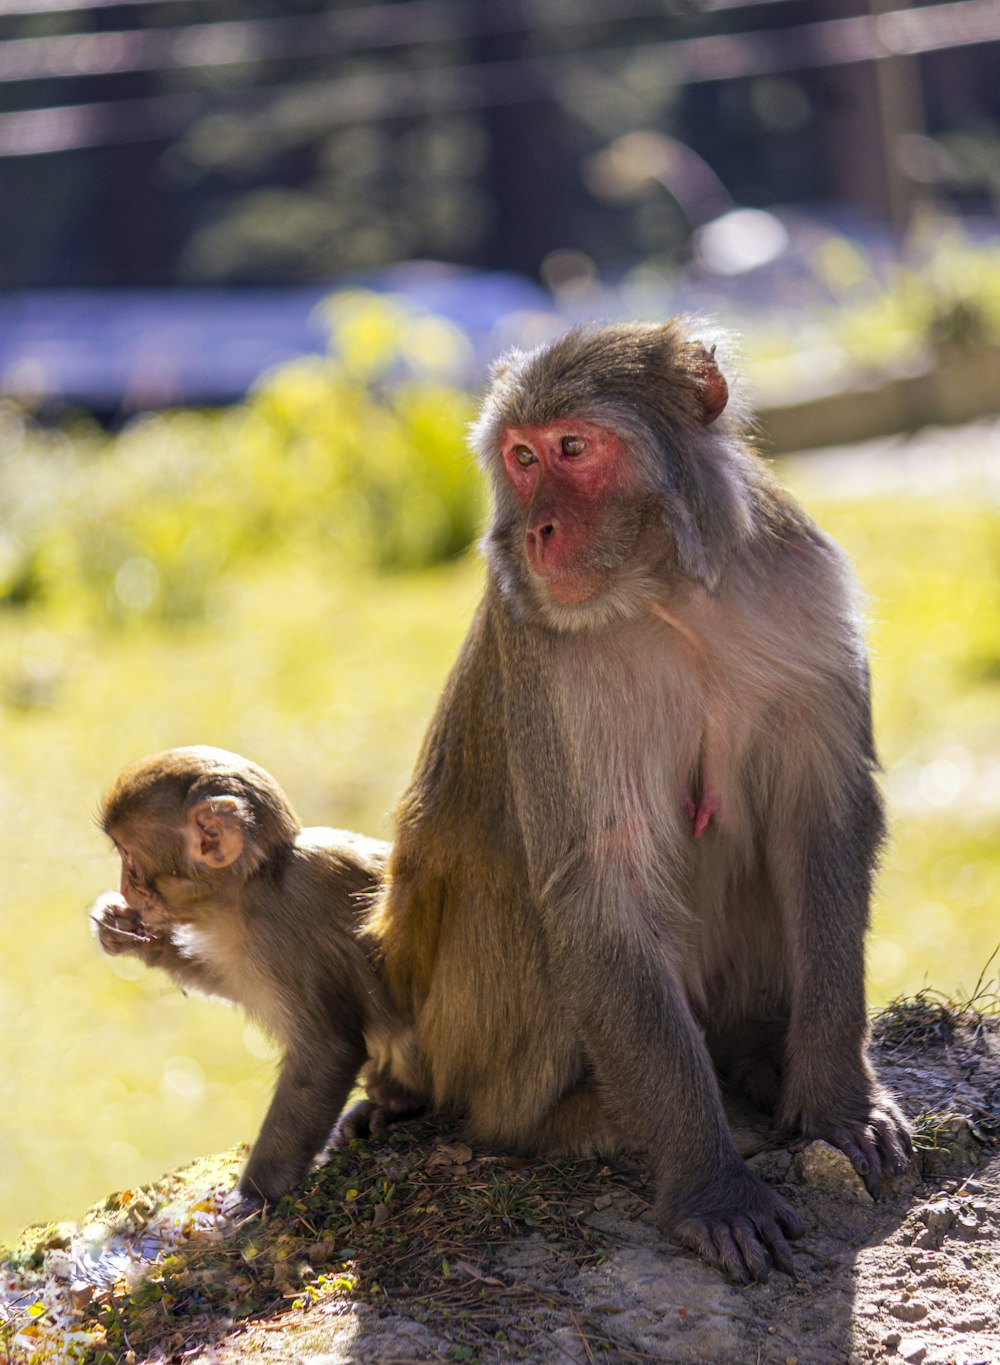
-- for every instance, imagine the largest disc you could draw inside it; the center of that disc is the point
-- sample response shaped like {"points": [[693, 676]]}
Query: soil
{"points": [[419, 1249]]}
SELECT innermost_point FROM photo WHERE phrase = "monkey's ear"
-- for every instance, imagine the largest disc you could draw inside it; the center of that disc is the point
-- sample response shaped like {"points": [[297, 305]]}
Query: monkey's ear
{"points": [[711, 383], [214, 831]]}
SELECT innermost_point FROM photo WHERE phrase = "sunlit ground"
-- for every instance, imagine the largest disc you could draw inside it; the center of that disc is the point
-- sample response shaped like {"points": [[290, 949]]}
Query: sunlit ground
{"points": [[112, 1076]]}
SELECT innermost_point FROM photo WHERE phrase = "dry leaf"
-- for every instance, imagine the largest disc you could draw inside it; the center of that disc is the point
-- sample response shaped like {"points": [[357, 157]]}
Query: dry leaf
{"points": [[450, 1154], [474, 1273]]}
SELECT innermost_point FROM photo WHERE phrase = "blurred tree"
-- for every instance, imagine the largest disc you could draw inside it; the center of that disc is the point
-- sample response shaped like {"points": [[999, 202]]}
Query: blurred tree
{"points": [[252, 141]]}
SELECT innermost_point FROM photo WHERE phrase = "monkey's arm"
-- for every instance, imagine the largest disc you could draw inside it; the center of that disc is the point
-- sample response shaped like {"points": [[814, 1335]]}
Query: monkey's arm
{"points": [[614, 974], [317, 1075], [821, 861]]}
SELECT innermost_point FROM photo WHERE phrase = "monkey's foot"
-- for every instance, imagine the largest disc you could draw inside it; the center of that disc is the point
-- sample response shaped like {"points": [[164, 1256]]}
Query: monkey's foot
{"points": [[362, 1120], [739, 1225], [874, 1145], [701, 814], [369, 1118]]}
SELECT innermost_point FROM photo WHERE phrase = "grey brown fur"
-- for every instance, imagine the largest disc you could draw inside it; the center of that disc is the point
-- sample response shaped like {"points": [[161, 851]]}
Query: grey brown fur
{"points": [[280, 930], [583, 973]]}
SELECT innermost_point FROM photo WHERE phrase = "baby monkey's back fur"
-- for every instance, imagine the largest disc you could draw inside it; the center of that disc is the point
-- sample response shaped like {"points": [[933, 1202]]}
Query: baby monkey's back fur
{"points": [[637, 851]]}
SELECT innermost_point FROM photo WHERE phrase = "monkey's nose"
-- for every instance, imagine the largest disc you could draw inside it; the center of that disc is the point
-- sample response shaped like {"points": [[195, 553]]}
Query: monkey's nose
{"points": [[537, 538]]}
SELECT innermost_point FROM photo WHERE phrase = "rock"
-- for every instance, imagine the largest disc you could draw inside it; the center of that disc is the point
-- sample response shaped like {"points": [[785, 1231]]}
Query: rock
{"points": [[571, 1344], [974, 1322], [956, 1145], [938, 1217], [80, 1294], [828, 1170], [966, 1226], [912, 1350], [908, 1312]]}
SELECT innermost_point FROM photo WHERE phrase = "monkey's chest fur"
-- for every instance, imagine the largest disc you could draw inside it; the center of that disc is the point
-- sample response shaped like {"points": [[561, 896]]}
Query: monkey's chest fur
{"points": [[657, 737], [621, 732]]}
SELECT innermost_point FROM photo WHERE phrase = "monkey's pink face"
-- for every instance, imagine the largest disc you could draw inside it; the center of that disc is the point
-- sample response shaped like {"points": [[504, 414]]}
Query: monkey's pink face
{"points": [[567, 476]]}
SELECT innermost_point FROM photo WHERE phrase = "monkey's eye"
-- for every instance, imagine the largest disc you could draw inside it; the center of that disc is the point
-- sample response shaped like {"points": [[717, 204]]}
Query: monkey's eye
{"points": [[131, 870], [572, 446], [524, 455]]}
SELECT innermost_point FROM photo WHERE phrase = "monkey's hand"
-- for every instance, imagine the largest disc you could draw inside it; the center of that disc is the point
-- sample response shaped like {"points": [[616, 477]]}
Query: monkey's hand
{"points": [[874, 1137], [240, 1204], [120, 929], [737, 1224]]}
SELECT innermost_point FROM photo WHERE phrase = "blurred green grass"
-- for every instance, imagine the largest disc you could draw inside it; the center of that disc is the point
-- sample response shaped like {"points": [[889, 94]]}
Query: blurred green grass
{"points": [[178, 584], [931, 567]]}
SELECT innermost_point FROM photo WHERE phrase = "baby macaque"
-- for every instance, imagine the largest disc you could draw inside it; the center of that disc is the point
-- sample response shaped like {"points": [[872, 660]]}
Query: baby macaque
{"points": [[223, 889]]}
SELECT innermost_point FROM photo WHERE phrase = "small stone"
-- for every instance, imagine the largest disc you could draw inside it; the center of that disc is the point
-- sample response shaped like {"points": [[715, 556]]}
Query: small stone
{"points": [[973, 1323], [570, 1343], [59, 1265], [908, 1312], [892, 1339], [938, 1217], [791, 1360], [912, 1350], [827, 1168], [603, 1201], [80, 1294]]}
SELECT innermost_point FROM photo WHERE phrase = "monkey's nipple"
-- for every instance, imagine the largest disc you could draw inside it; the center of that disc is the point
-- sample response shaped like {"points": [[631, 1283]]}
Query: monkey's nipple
{"points": [[700, 813]]}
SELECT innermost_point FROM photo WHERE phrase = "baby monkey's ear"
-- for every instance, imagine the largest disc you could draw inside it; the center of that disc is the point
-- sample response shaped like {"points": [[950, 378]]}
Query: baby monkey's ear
{"points": [[214, 831]]}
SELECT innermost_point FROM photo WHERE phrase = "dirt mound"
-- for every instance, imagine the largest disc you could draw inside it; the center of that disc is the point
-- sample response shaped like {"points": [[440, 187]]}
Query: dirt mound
{"points": [[419, 1249]]}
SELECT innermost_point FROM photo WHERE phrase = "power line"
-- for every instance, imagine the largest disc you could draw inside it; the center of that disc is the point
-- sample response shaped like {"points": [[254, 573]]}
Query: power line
{"points": [[326, 33], [321, 105], [24, 8]]}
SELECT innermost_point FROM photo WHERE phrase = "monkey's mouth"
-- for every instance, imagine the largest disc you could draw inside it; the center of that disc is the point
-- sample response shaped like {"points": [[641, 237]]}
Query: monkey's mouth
{"points": [[569, 588]]}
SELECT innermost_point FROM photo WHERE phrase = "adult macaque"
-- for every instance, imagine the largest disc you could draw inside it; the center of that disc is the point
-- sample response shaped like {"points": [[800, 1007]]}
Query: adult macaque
{"points": [[637, 852], [222, 889]]}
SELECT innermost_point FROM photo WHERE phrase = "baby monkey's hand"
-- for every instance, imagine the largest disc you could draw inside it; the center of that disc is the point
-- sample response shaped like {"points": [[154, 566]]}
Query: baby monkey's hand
{"points": [[120, 929]]}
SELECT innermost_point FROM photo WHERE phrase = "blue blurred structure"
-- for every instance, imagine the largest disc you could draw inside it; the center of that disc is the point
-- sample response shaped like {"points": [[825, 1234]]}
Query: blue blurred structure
{"points": [[121, 351], [117, 352]]}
